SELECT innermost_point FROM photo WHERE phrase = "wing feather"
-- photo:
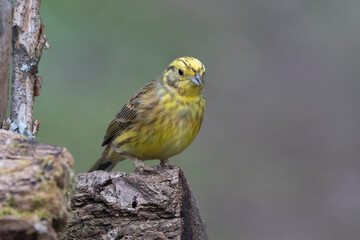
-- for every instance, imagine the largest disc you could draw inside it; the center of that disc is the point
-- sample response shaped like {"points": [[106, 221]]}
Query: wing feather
{"points": [[128, 115]]}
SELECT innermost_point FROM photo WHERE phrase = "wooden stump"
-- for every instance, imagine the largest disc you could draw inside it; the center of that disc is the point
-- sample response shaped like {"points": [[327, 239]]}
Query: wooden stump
{"points": [[35, 185], [110, 205]]}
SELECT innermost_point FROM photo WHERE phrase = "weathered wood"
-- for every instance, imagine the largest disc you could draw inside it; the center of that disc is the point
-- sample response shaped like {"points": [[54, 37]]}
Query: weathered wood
{"points": [[5, 51], [28, 44], [110, 205], [35, 185]]}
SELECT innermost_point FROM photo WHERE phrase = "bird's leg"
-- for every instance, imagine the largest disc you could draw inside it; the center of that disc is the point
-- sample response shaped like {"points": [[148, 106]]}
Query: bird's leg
{"points": [[164, 165], [140, 166]]}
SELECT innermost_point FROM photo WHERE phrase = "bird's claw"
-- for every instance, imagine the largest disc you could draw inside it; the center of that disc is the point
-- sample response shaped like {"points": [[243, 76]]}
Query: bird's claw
{"points": [[141, 168], [145, 169]]}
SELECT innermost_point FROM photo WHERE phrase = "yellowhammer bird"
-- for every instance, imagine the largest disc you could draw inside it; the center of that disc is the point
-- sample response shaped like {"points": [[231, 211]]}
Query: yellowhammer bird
{"points": [[160, 120]]}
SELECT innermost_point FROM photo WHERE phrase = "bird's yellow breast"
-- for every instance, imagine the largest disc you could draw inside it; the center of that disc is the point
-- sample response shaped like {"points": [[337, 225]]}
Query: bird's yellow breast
{"points": [[173, 126]]}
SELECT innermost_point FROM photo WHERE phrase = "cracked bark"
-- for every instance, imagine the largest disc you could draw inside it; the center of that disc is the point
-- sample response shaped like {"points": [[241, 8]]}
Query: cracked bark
{"points": [[110, 205]]}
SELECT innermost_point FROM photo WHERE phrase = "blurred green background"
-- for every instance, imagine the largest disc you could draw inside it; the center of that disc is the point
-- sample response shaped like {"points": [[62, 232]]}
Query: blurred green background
{"points": [[278, 154]]}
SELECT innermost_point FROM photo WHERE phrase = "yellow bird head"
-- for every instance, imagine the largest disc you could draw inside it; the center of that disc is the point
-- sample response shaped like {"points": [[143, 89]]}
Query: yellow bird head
{"points": [[185, 75]]}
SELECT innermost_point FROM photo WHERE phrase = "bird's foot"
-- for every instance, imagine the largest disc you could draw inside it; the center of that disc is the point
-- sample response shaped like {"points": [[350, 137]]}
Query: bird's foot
{"points": [[141, 168]]}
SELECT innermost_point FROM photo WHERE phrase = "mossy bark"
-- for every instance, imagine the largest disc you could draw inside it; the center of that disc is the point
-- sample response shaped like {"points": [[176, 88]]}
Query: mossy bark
{"points": [[35, 185]]}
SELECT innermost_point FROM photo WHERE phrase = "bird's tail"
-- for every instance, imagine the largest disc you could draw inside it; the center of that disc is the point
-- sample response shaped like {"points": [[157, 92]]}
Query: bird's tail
{"points": [[109, 158]]}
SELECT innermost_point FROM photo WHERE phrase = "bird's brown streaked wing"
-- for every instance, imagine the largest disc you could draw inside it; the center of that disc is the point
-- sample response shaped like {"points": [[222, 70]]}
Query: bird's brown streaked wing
{"points": [[129, 112], [119, 123]]}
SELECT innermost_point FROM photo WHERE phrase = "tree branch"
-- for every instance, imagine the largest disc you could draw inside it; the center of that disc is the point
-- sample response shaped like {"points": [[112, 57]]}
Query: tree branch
{"points": [[28, 44], [5, 51]]}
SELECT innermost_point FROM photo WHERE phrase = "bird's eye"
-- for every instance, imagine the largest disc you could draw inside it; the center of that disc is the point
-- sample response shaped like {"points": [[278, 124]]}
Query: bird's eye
{"points": [[181, 72]]}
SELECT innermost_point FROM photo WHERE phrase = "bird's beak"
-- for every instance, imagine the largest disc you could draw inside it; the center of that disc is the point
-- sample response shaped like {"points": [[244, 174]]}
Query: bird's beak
{"points": [[196, 79]]}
